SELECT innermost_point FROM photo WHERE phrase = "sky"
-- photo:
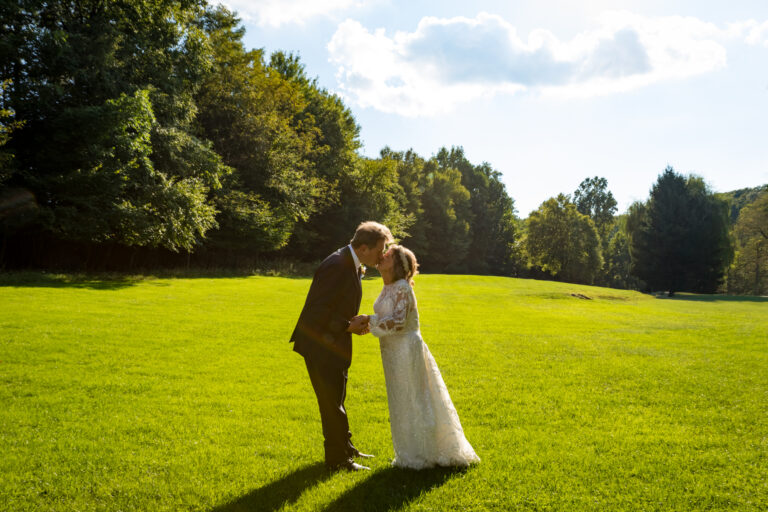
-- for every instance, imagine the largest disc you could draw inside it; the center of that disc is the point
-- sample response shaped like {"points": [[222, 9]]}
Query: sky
{"points": [[548, 92]]}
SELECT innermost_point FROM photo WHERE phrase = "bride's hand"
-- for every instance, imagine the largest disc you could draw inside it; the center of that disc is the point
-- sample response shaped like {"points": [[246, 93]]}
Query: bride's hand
{"points": [[358, 325]]}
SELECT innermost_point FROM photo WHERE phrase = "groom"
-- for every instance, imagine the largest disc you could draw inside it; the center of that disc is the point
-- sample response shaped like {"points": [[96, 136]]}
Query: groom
{"points": [[323, 335]]}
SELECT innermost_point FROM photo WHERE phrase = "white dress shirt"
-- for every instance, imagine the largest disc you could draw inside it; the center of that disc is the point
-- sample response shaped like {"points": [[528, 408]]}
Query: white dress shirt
{"points": [[354, 257]]}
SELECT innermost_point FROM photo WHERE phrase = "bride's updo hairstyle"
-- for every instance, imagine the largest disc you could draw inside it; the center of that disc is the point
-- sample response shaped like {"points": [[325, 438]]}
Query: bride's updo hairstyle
{"points": [[405, 265]]}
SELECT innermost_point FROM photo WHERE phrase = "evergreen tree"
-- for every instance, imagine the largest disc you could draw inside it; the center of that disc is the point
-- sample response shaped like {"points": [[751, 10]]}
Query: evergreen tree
{"points": [[680, 239]]}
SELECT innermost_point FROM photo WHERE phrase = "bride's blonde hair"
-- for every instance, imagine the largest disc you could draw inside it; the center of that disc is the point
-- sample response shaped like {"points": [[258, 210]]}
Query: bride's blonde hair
{"points": [[405, 264]]}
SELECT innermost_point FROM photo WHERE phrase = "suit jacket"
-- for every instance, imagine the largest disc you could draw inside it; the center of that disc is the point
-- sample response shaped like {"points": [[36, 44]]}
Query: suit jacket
{"points": [[334, 297]]}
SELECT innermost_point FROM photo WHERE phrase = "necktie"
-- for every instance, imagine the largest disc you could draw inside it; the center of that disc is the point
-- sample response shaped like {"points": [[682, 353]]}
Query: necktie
{"points": [[360, 272]]}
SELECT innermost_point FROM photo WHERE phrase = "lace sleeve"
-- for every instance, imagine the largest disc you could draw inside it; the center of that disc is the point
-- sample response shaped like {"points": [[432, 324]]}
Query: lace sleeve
{"points": [[394, 322]]}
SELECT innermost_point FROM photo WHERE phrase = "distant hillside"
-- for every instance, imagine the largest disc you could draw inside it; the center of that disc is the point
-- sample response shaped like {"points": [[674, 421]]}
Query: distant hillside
{"points": [[738, 199]]}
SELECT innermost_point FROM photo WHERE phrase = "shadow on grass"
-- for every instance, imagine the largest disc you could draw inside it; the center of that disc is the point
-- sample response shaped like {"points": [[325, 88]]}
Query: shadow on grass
{"points": [[391, 489], [117, 281], [279, 493], [385, 490], [93, 282], [715, 298]]}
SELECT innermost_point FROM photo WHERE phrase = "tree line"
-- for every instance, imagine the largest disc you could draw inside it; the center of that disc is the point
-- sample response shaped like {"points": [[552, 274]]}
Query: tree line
{"points": [[143, 133], [146, 128], [683, 237]]}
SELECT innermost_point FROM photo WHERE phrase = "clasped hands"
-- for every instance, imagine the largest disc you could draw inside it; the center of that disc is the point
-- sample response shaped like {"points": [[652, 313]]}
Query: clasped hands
{"points": [[359, 325]]}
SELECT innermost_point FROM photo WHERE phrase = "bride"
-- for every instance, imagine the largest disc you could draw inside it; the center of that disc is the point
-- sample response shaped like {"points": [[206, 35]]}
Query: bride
{"points": [[425, 425]]}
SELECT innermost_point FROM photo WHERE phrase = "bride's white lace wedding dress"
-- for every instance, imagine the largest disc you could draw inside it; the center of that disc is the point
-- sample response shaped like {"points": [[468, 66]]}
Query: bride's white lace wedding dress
{"points": [[425, 425]]}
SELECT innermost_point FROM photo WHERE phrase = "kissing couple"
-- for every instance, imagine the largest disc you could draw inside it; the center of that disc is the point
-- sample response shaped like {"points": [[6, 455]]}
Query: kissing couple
{"points": [[425, 426]]}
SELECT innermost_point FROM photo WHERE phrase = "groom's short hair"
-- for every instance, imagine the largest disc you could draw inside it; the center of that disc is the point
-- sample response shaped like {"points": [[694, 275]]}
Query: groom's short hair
{"points": [[369, 233]]}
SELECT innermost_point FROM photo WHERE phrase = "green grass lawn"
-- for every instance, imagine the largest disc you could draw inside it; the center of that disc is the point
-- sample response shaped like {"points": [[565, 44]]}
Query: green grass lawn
{"points": [[184, 394]]}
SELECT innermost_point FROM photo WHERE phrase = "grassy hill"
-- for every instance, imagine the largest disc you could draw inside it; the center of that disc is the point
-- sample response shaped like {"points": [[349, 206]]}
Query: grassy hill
{"points": [[183, 394]]}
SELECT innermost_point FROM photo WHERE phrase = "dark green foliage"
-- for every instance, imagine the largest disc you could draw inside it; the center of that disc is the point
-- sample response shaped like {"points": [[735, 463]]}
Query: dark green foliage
{"points": [[593, 199], [456, 216], [563, 242], [247, 222], [104, 90], [738, 199], [257, 122], [446, 217], [412, 181], [680, 239], [369, 192], [337, 131], [491, 216], [7, 126], [749, 273], [427, 204], [135, 130], [336, 162], [617, 269], [149, 124]]}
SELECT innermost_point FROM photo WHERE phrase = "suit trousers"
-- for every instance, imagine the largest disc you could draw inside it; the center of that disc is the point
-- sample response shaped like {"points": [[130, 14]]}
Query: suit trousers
{"points": [[330, 385]]}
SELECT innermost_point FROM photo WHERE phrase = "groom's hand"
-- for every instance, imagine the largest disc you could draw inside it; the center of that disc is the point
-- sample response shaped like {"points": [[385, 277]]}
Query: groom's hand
{"points": [[358, 325], [367, 327]]}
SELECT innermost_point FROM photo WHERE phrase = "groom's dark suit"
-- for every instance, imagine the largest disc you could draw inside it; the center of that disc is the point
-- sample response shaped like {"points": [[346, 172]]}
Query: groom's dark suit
{"points": [[321, 336]]}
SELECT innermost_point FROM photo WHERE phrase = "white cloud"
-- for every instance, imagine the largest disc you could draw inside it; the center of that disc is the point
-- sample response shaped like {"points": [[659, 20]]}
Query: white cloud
{"points": [[447, 61], [756, 33], [283, 12]]}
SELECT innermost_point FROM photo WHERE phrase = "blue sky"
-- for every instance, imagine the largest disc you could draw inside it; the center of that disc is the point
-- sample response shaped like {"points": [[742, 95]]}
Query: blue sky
{"points": [[548, 92]]}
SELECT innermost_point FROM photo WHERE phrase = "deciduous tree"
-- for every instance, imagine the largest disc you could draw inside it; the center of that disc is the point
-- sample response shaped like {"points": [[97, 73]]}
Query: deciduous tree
{"points": [[105, 93], [749, 273], [562, 241]]}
